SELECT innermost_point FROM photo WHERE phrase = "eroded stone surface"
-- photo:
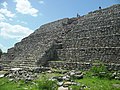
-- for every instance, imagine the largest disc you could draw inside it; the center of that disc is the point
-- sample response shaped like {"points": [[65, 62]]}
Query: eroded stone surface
{"points": [[95, 36]]}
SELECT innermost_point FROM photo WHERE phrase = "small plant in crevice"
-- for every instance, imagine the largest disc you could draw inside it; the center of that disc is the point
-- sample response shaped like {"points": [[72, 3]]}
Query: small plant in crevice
{"points": [[100, 70]]}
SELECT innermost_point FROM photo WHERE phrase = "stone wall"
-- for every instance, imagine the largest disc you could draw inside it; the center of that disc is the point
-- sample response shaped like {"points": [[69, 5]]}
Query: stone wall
{"points": [[80, 65], [94, 36]]}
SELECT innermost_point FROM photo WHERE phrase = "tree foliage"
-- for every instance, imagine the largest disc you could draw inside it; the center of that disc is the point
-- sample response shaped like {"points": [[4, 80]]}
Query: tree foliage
{"points": [[0, 53]]}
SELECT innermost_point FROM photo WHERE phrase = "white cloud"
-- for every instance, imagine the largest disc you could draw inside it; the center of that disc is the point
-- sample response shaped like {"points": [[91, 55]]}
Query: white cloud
{"points": [[10, 19], [22, 22], [4, 4], [41, 1], [6, 13], [25, 7], [2, 17], [13, 31]]}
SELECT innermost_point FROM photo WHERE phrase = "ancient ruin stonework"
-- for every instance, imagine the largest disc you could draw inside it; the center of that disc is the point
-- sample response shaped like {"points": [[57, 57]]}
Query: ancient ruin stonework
{"points": [[70, 41]]}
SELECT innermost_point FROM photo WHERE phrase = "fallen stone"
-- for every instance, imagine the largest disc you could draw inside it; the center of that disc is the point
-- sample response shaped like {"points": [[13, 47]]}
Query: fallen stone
{"points": [[66, 84], [1, 76], [117, 78], [21, 74], [66, 78], [63, 88], [60, 83], [49, 71], [116, 85], [78, 76], [15, 69]]}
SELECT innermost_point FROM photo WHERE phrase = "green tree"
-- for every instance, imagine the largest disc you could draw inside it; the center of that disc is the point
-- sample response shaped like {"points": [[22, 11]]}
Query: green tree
{"points": [[0, 53]]}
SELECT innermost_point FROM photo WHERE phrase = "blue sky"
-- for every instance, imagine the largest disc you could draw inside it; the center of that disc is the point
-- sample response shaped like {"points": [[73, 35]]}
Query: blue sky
{"points": [[19, 18]]}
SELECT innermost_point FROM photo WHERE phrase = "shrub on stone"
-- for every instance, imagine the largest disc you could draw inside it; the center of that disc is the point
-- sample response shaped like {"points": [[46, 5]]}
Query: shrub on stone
{"points": [[100, 70], [46, 84]]}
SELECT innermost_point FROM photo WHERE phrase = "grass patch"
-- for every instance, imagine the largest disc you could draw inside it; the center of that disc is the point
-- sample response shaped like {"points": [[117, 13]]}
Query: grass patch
{"points": [[48, 75], [89, 82], [92, 83], [5, 84], [98, 78], [45, 84], [96, 83], [42, 83]]}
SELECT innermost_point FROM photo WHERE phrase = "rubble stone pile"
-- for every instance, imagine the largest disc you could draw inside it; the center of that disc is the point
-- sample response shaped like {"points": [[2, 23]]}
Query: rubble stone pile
{"points": [[20, 74]]}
